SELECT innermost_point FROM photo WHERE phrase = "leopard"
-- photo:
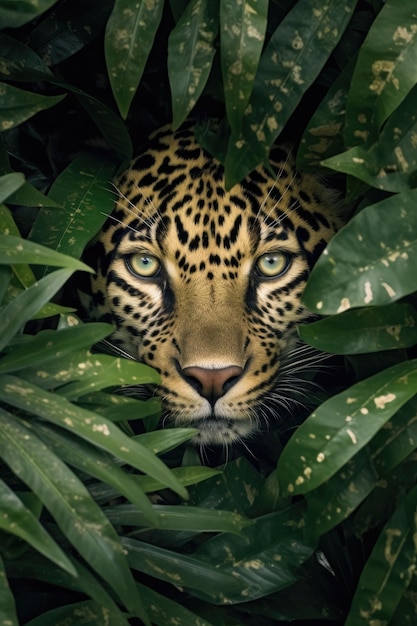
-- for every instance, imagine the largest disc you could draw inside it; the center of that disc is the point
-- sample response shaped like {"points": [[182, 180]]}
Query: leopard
{"points": [[204, 283]]}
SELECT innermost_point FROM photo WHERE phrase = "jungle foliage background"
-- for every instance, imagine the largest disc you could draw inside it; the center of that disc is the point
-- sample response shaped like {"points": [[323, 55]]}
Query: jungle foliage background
{"points": [[323, 528]]}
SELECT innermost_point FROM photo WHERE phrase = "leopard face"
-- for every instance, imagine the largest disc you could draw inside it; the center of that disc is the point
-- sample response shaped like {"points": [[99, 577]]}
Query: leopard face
{"points": [[204, 284]]}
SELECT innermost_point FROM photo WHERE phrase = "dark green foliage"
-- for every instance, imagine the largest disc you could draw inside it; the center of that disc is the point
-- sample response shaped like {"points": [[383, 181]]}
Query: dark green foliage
{"points": [[324, 531]]}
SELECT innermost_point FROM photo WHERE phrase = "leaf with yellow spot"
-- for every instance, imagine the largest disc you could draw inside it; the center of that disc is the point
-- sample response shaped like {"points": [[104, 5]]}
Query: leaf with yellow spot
{"points": [[389, 570], [342, 426], [371, 261]]}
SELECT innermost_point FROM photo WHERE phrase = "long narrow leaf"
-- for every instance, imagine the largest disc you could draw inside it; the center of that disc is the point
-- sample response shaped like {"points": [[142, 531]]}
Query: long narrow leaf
{"points": [[49, 345], [295, 54], [130, 33], [18, 520], [29, 302], [87, 425], [190, 55], [37, 568], [162, 610], [68, 501], [8, 615], [183, 518], [242, 35], [15, 250], [99, 464], [389, 570], [9, 183], [179, 569]]}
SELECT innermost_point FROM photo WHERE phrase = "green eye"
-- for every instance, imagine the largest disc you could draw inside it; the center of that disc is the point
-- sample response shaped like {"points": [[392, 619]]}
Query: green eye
{"points": [[144, 265], [272, 264]]}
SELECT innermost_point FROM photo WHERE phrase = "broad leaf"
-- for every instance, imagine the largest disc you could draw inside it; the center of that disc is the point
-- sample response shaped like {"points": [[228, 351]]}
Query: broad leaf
{"points": [[84, 191], [342, 425], [17, 105], [263, 561], [385, 72], [371, 261], [359, 331]]}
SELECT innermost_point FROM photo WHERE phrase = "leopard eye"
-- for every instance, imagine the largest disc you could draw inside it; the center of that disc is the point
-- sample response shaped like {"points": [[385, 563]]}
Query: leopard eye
{"points": [[143, 265], [272, 264]]}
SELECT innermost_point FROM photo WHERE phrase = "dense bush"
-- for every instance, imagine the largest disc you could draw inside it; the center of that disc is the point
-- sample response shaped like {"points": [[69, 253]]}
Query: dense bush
{"points": [[324, 531]]}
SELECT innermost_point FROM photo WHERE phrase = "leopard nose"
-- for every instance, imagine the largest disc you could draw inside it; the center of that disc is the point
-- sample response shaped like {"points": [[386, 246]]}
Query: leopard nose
{"points": [[212, 383]]}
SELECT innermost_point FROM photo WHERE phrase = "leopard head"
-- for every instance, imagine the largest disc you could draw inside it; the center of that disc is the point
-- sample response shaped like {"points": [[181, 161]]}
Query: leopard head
{"points": [[205, 284]]}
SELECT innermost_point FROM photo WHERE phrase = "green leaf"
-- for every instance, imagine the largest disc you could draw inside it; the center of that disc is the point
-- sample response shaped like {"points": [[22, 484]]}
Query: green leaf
{"points": [[371, 261], [294, 56], [162, 610], [17, 105], [385, 72], [130, 33], [50, 345], [14, 13], [82, 373], [263, 561], [28, 303], [390, 163], [68, 501], [342, 425], [37, 568], [101, 371], [9, 183], [23, 64], [84, 191], [87, 613], [15, 250], [186, 475], [67, 29], [87, 425], [179, 569], [99, 464], [190, 55], [183, 518], [8, 615], [242, 35], [323, 137], [118, 408], [365, 330], [18, 520], [389, 569]]}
